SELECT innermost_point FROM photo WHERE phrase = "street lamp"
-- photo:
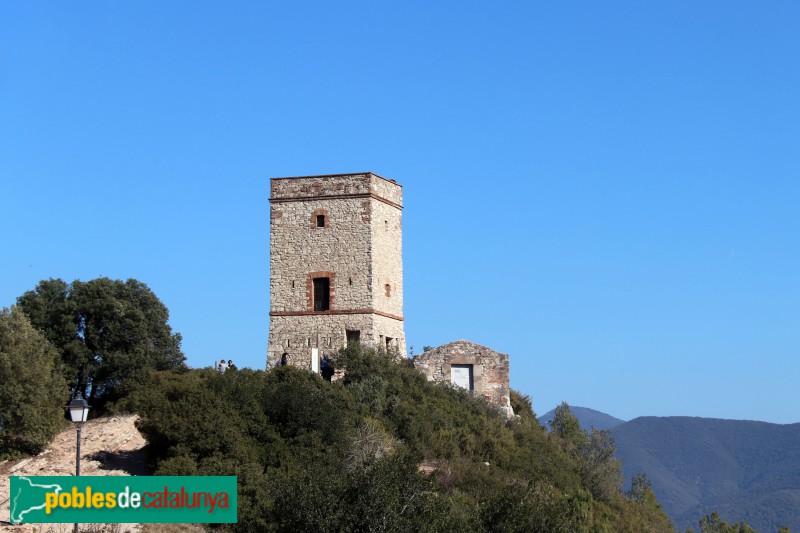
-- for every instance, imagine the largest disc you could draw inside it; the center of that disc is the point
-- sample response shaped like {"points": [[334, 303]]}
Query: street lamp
{"points": [[78, 413]]}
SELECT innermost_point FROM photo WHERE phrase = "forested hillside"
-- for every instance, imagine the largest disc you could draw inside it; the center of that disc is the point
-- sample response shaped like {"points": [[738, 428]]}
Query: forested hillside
{"points": [[744, 470], [383, 449]]}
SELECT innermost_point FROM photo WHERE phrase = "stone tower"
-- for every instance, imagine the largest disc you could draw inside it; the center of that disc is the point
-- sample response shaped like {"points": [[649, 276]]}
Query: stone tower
{"points": [[336, 268]]}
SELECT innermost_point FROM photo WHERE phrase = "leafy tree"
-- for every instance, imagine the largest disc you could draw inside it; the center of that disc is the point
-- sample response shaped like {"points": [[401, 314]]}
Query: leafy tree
{"points": [[566, 425], [522, 406], [641, 493], [640, 487], [33, 393], [600, 470], [108, 332], [536, 507], [714, 524]]}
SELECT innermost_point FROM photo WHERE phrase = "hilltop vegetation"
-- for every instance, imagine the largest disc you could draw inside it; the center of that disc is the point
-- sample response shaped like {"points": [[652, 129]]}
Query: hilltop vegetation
{"points": [[32, 389], [355, 455], [99, 337]]}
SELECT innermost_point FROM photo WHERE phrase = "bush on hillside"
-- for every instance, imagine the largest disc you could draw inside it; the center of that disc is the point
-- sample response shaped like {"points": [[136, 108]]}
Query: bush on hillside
{"points": [[33, 393], [346, 456]]}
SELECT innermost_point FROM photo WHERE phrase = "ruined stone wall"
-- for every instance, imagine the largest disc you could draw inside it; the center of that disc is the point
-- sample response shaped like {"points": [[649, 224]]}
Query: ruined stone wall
{"points": [[359, 249], [490, 370]]}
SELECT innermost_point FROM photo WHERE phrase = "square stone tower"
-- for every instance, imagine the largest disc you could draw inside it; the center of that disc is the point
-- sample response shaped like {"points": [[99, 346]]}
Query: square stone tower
{"points": [[336, 267]]}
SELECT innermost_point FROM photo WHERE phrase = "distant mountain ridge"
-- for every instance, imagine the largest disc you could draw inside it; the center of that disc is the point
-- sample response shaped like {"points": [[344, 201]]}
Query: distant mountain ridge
{"points": [[587, 417], [745, 470]]}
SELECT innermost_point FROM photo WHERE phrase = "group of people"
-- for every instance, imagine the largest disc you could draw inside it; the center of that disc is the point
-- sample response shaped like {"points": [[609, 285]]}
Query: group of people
{"points": [[222, 366], [326, 365]]}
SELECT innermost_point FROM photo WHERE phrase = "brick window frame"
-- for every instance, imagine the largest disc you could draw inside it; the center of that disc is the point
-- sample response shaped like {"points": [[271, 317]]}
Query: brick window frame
{"points": [[320, 213], [310, 290]]}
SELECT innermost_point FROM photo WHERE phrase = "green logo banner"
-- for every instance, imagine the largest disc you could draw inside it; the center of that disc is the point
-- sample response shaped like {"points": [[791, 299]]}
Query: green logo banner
{"points": [[122, 499]]}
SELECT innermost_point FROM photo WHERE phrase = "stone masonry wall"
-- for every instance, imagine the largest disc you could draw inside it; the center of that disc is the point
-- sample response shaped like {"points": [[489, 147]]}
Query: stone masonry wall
{"points": [[358, 249], [387, 259], [394, 329], [296, 335], [310, 186], [298, 248], [489, 370], [389, 190]]}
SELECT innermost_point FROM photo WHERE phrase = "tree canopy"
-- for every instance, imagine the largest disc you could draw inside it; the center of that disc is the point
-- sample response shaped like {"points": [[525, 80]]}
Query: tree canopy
{"points": [[108, 332], [32, 390]]}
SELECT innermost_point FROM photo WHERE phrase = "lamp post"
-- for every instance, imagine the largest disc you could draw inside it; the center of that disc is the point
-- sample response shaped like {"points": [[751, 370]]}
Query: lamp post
{"points": [[78, 413]]}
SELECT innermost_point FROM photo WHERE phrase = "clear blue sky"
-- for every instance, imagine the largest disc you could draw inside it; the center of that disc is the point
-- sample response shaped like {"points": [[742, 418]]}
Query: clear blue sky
{"points": [[607, 191]]}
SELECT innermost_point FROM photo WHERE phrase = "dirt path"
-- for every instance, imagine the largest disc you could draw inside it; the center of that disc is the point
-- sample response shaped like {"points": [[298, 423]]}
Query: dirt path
{"points": [[109, 447]]}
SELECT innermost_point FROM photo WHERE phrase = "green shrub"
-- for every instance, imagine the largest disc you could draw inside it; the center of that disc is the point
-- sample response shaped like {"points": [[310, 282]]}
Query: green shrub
{"points": [[33, 392], [312, 455]]}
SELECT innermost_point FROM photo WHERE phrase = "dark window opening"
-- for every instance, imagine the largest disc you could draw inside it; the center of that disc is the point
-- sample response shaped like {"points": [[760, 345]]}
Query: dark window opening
{"points": [[322, 294], [353, 336], [388, 290], [389, 343], [320, 221]]}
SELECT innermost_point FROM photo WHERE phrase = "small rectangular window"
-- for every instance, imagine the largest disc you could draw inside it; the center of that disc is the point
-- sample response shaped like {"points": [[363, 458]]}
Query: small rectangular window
{"points": [[322, 294], [320, 221], [461, 376], [353, 336]]}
